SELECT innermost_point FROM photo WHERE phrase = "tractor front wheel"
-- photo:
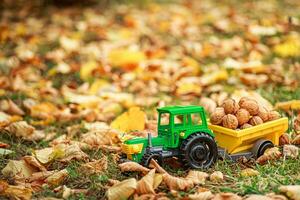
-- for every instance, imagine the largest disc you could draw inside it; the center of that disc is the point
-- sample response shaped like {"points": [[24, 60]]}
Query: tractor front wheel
{"points": [[199, 151], [147, 158]]}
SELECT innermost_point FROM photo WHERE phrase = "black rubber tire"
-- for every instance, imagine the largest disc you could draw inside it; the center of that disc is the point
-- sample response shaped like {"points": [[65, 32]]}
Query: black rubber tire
{"points": [[145, 161], [198, 151], [260, 147]]}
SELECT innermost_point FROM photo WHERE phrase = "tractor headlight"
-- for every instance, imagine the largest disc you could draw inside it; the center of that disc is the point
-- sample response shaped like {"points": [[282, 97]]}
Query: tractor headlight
{"points": [[132, 148]]}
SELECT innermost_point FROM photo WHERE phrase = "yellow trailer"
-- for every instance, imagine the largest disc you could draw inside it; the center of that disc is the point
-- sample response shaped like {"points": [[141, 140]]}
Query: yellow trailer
{"points": [[255, 139]]}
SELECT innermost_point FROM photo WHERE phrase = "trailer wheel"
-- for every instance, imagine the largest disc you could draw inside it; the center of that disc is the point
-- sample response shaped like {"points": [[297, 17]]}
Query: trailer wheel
{"points": [[199, 151], [260, 147]]}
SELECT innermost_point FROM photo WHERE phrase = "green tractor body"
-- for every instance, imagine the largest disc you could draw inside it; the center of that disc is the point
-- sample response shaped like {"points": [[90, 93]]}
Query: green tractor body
{"points": [[182, 132]]}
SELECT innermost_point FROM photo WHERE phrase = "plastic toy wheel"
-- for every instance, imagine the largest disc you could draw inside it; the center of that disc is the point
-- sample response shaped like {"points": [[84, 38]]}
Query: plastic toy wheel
{"points": [[145, 161], [260, 147], [199, 151]]}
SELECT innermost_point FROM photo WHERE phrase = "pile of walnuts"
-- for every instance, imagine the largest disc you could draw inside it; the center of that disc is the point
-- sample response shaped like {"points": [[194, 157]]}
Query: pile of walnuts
{"points": [[243, 114]]}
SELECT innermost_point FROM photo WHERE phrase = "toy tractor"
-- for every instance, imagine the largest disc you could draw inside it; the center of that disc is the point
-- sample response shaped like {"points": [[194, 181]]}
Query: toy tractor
{"points": [[182, 132]]}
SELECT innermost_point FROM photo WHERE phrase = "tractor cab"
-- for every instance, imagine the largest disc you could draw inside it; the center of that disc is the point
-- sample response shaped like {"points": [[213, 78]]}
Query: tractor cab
{"points": [[182, 132], [175, 122]]}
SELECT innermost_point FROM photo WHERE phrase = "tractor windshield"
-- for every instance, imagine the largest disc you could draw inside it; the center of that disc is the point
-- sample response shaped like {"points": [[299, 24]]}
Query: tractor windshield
{"points": [[164, 119]]}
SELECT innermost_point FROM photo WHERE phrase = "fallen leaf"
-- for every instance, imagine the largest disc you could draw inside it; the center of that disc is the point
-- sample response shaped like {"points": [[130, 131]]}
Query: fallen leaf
{"points": [[290, 151], [49, 154], [269, 154], [10, 107], [288, 105], [249, 172], [197, 177], [57, 178], [15, 192], [292, 191], [34, 162], [127, 59], [216, 176], [133, 119], [177, 183], [296, 140], [226, 196], [133, 167], [5, 151], [73, 152], [21, 129], [93, 167], [207, 195], [154, 164], [258, 197], [145, 185], [122, 190], [17, 167], [96, 138], [276, 196]]}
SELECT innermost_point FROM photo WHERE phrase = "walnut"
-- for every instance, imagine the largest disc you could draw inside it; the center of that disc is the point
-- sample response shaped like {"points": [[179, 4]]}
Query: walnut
{"points": [[284, 139], [263, 113], [230, 106], [242, 116], [246, 125], [217, 116], [250, 105], [273, 115], [230, 121], [256, 120], [243, 99]]}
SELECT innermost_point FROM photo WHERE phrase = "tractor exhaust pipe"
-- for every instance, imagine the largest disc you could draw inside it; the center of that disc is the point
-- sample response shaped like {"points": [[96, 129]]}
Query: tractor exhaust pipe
{"points": [[149, 140]]}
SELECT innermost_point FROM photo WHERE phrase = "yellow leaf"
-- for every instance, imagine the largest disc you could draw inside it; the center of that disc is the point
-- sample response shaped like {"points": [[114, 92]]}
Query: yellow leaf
{"points": [[216, 176], [133, 119], [15, 192], [188, 88], [292, 191], [126, 59], [97, 84], [87, 69], [288, 105], [48, 154], [57, 178], [17, 167], [289, 48], [122, 190], [249, 172], [214, 77]]}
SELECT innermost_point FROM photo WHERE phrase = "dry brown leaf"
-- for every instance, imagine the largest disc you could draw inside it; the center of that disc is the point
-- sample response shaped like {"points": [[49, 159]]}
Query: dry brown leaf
{"points": [[11, 108], [93, 167], [226, 196], [21, 129], [154, 164], [57, 177], [216, 176], [15, 192], [290, 151], [258, 197], [122, 190], [157, 180], [270, 154], [145, 185], [249, 172], [159, 196], [73, 152], [97, 138], [18, 167], [292, 191], [133, 167], [276, 196], [296, 140], [34, 162], [44, 110], [207, 195], [197, 177], [133, 119], [177, 183]]}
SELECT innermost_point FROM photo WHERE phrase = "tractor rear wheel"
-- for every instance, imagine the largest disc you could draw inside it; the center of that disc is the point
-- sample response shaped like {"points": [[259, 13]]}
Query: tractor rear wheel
{"points": [[199, 151]]}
